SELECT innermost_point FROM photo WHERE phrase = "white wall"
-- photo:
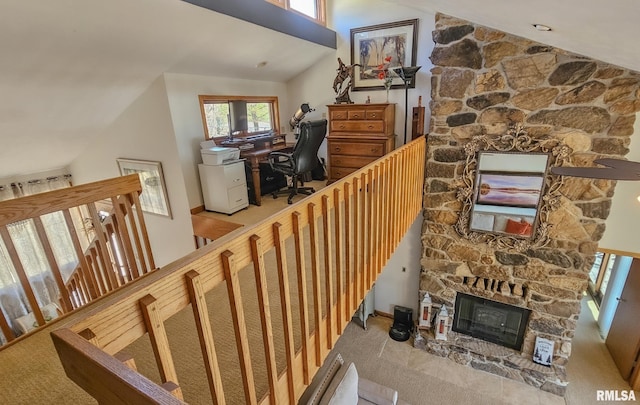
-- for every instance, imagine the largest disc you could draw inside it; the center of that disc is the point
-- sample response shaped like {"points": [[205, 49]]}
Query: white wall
{"points": [[398, 283], [394, 287], [144, 131], [182, 93], [624, 220]]}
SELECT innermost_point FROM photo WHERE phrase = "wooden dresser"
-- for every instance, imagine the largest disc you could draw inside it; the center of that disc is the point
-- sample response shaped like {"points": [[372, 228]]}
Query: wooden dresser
{"points": [[358, 135]]}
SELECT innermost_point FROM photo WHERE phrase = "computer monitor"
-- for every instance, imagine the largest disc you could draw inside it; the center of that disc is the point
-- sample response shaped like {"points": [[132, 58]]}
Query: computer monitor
{"points": [[237, 117]]}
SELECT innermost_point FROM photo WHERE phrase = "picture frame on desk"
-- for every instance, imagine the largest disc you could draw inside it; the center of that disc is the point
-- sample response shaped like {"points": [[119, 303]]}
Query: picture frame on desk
{"points": [[372, 44], [153, 199]]}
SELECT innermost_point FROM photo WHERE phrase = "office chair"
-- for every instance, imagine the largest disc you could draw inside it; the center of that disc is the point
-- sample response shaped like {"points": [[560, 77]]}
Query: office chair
{"points": [[303, 159]]}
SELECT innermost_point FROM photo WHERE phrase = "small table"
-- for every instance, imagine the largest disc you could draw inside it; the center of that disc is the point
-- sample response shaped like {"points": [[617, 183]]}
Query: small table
{"points": [[209, 229]]}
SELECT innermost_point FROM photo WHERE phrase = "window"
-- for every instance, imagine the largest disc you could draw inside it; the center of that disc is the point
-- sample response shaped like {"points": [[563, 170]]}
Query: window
{"points": [[314, 9], [599, 275], [217, 111]]}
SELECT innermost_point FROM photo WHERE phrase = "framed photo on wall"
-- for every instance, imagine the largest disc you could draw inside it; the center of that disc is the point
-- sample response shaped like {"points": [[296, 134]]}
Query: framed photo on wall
{"points": [[153, 199], [371, 45]]}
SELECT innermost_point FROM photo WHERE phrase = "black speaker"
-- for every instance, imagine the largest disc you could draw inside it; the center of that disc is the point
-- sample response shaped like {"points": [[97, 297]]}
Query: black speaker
{"points": [[402, 323], [238, 116]]}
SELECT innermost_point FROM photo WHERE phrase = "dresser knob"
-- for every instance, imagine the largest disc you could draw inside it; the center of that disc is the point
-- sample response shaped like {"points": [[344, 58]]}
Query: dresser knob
{"points": [[374, 115], [341, 126], [370, 126], [337, 149], [374, 150], [356, 116]]}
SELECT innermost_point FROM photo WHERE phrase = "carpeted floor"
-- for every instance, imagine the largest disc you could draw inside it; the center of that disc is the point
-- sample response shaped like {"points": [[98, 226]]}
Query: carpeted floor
{"points": [[254, 214]]}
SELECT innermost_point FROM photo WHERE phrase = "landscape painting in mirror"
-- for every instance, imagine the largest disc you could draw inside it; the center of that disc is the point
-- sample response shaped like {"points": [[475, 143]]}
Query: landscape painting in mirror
{"points": [[507, 192]]}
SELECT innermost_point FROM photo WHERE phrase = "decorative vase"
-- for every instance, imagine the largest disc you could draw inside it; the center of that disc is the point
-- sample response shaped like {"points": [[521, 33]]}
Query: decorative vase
{"points": [[387, 86]]}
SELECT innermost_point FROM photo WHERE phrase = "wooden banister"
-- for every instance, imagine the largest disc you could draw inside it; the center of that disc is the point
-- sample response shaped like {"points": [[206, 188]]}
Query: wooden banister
{"points": [[98, 271], [340, 237], [41, 204]]}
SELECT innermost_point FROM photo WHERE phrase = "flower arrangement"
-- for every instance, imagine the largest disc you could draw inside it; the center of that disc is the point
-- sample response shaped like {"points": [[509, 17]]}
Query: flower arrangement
{"points": [[384, 73]]}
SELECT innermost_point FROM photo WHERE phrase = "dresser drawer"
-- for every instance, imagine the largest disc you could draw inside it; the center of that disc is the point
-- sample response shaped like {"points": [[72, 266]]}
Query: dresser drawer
{"points": [[356, 114], [357, 126], [358, 149], [338, 115], [350, 161], [374, 114], [336, 173]]}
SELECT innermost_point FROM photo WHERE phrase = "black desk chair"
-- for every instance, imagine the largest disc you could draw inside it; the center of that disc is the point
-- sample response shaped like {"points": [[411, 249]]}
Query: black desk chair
{"points": [[303, 159]]}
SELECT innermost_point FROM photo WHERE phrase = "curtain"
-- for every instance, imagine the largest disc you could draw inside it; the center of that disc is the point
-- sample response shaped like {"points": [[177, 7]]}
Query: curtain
{"points": [[24, 236]]}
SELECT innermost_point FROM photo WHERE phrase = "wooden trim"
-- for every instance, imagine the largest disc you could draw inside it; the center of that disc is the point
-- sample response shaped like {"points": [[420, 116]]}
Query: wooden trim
{"points": [[5, 328], [285, 301], [317, 286], [197, 210], [265, 313], [302, 293], [158, 336], [205, 334], [620, 252], [339, 229], [239, 325], [105, 377], [328, 269]]}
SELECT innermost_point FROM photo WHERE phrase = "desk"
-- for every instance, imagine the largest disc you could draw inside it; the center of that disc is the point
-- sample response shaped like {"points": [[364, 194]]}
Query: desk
{"points": [[255, 149]]}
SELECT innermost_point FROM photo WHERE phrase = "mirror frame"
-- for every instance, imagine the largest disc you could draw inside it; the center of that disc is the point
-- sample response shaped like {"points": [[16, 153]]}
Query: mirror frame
{"points": [[516, 140]]}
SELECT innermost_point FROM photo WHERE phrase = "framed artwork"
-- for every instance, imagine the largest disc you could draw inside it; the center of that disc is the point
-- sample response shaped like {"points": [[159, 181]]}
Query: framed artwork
{"points": [[508, 191], [371, 45], [153, 198]]}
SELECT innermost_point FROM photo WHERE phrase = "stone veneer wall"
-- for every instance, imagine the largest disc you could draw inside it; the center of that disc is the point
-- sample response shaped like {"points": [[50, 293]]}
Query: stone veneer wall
{"points": [[483, 81]]}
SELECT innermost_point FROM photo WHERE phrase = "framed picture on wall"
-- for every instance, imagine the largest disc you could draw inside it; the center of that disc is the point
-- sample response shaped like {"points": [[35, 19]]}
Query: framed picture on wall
{"points": [[371, 45], [153, 199]]}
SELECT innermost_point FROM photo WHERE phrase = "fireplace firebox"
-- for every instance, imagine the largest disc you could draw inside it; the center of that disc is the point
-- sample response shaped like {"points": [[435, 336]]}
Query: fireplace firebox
{"points": [[490, 320]]}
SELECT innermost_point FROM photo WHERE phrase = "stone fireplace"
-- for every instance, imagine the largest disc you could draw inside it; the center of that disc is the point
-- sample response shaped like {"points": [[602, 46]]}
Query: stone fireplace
{"points": [[483, 82]]}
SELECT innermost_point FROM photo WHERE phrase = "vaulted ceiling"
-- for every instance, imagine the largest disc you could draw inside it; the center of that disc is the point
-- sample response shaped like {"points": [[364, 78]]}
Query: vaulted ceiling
{"points": [[69, 68]]}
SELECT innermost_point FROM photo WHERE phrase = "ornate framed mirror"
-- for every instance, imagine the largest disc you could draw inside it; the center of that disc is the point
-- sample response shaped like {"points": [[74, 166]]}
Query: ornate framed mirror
{"points": [[508, 190]]}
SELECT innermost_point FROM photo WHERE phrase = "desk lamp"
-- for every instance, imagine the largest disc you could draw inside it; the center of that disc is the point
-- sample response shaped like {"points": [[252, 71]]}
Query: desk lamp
{"points": [[294, 122], [406, 74]]}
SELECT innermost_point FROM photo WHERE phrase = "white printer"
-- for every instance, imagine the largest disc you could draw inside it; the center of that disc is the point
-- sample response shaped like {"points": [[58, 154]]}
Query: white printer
{"points": [[218, 155], [223, 179]]}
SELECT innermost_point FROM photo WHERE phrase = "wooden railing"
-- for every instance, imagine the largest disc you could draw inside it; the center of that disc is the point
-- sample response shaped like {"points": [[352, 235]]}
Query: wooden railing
{"points": [[335, 243], [119, 253]]}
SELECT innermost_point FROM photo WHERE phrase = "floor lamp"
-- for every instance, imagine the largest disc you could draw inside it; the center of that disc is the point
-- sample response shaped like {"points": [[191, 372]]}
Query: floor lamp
{"points": [[406, 74]]}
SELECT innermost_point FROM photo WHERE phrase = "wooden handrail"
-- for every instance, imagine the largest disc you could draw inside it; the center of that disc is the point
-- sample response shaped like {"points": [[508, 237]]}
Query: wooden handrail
{"points": [[97, 273], [362, 219]]}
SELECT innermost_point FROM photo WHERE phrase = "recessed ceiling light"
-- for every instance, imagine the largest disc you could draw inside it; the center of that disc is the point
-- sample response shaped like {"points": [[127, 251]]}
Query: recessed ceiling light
{"points": [[262, 64], [541, 27]]}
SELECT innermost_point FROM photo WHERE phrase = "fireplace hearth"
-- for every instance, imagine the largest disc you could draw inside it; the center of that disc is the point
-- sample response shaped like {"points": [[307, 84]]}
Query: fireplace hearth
{"points": [[490, 320]]}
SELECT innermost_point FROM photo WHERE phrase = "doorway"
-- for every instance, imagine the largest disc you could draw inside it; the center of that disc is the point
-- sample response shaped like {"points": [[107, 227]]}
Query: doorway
{"points": [[623, 339]]}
